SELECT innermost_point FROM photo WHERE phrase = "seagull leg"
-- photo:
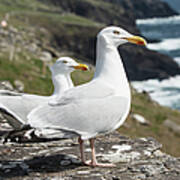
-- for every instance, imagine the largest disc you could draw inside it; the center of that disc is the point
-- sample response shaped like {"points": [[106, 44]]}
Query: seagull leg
{"points": [[81, 143], [93, 161]]}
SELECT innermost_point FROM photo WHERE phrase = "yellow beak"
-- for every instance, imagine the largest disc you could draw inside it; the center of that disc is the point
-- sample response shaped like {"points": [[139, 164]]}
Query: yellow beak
{"points": [[136, 40], [82, 67]]}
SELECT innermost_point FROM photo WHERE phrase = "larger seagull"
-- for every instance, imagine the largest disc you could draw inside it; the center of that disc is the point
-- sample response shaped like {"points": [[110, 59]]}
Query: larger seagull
{"points": [[98, 107]]}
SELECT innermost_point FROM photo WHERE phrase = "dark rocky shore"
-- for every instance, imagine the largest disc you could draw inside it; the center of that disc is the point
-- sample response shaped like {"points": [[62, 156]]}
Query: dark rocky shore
{"points": [[135, 159]]}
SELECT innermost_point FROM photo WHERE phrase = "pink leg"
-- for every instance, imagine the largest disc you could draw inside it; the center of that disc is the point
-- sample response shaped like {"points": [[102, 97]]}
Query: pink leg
{"points": [[93, 161], [81, 143]]}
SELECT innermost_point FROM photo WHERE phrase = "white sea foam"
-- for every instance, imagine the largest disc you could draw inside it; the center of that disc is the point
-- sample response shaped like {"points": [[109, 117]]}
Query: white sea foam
{"points": [[165, 92], [159, 21], [177, 59], [165, 45]]}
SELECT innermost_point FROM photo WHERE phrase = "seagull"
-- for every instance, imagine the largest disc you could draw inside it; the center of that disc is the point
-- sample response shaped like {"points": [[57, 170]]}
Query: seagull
{"points": [[18, 105], [97, 107]]}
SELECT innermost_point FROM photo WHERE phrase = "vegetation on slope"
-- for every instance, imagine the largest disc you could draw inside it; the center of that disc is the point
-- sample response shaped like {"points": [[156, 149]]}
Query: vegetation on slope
{"points": [[156, 115]]}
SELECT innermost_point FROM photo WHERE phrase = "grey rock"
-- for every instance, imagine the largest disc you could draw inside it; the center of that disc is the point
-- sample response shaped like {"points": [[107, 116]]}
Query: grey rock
{"points": [[151, 170], [120, 157], [147, 153], [135, 159], [172, 126], [13, 29], [158, 153], [65, 163], [32, 47], [46, 56], [83, 172], [24, 166], [140, 177], [74, 159], [4, 44], [121, 148], [6, 85], [140, 119], [19, 85]]}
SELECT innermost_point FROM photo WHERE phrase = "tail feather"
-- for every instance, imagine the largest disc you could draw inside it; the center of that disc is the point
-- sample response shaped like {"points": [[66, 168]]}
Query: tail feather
{"points": [[30, 135]]}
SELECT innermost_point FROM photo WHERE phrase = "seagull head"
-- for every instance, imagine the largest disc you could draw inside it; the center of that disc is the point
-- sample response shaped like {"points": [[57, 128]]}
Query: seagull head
{"points": [[117, 36], [66, 65]]}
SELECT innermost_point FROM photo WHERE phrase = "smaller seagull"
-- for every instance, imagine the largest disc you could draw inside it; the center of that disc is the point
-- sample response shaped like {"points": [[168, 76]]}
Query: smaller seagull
{"points": [[17, 106]]}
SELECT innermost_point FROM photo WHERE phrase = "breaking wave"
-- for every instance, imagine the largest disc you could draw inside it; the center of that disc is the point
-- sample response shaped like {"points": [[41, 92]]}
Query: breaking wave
{"points": [[166, 45], [165, 92], [159, 21]]}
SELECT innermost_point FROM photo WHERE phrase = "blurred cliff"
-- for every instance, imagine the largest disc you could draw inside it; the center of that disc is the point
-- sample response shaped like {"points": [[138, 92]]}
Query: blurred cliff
{"points": [[70, 27]]}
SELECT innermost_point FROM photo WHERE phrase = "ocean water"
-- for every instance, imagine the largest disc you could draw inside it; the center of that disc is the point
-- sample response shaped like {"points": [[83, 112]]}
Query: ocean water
{"points": [[175, 4], [167, 31]]}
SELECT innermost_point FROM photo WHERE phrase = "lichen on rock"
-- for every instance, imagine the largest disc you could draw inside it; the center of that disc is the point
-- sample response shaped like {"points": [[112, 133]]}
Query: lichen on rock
{"points": [[134, 158]]}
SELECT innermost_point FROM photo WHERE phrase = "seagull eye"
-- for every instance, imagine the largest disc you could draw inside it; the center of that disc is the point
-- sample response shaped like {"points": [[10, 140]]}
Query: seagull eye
{"points": [[116, 32], [65, 62]]}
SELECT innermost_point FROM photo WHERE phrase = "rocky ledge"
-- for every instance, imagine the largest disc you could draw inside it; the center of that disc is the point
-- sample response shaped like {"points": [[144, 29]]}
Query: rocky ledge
{"points": [[135, 159]]}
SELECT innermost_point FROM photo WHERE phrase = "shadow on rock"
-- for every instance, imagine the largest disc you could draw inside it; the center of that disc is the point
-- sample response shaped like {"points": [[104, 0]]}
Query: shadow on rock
{"points": [[41, 164]]}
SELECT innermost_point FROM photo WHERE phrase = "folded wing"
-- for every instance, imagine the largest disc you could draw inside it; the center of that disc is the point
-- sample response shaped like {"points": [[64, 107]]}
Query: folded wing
{"points": [[88, 115], [16, 106]]}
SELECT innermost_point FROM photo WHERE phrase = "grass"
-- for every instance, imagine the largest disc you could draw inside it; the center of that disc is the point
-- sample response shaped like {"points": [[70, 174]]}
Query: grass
{"points": [[80, 77], [40, 12], [156, 115], [67, 18], [22, 5], [142, 103], [29, 73]]}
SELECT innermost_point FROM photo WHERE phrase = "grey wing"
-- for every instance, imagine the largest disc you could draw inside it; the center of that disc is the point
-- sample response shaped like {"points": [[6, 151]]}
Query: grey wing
{"points": [[89, 90], [84, 117], [17, 107]]}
